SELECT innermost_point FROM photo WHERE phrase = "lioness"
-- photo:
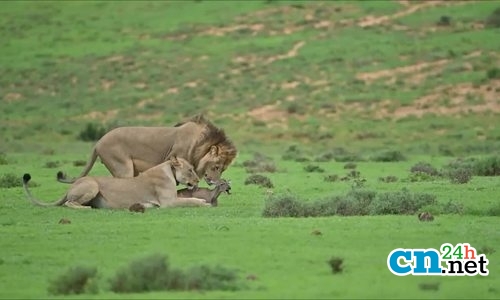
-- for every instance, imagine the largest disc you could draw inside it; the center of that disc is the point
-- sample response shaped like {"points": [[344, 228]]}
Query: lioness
{"points": [[156, 187], [127, 151]]}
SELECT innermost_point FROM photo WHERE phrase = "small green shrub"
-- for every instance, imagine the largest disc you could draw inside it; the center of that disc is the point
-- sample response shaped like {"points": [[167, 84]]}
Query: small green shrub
{"points": [[350, 165], [10, 180], [336, 264], [292, 153], [487, 166], [451, 207], [283, 206], [79, 163], [92, 132], [493, 20], [313, 168], [424, 167], [355, 203], [419, 176], [76, 280], [153, 273], [493, 73], [205, 278], [3, 159], [401, 203], [331, 178], [388, 179], [388, 156], [259, 180], [460, 176], [147, 274], [52, 164], [487, 250]]}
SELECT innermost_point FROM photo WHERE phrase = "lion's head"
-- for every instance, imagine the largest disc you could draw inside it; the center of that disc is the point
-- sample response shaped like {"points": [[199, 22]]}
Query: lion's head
{"points": [[214, 152], [184, 172]]}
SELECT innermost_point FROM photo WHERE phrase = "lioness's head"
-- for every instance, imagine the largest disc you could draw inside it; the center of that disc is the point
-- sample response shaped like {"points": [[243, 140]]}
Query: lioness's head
{"points": [[216, 161], [184, 172]]}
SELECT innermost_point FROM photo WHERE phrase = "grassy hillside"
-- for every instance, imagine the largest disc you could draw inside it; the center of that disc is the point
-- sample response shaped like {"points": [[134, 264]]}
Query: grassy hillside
{"points": [[420, 76], [351, 117]]}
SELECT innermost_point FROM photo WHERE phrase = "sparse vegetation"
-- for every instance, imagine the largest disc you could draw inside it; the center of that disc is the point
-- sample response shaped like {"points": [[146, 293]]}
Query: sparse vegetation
{"points": [[259, 163], [331, 178]]}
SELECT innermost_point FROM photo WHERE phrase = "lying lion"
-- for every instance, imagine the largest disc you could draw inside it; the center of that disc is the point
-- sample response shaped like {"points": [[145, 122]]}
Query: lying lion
{"points": [[128, 151], [155, 187]]}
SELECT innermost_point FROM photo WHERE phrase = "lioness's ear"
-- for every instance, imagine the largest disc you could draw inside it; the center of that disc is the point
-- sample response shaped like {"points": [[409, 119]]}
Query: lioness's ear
{"points": [[175, 161], [214, 150]]}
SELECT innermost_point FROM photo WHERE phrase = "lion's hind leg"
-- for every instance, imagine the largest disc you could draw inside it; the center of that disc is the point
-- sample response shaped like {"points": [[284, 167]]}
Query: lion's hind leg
{"points": [[82, 193]]}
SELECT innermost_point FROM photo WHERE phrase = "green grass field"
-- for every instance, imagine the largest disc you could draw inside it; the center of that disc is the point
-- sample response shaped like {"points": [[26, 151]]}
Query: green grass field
{"points": [[332, 79]]}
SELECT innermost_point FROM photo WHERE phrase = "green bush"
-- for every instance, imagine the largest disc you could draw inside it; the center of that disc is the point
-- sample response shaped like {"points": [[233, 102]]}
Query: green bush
{"points": [[259, 180], [313, 168], [493, 20], [401, 203], [153, 273], [331, 178], [92, 132], [283, 206], [388, 156], [424, 167], [3, 159], [357, 202], [460, 175], [293, 153], [76, 280], [388, 179], [487, 166], [11, 180]]}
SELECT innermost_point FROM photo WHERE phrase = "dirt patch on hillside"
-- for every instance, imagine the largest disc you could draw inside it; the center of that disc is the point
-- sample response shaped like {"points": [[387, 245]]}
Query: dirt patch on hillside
{"points": [[370, 20], [447, 100], [371, 76], [11, 97], [269, 113], [293, 52]]}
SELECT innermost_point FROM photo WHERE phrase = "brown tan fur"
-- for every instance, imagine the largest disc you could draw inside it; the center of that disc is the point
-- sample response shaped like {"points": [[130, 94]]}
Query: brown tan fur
{"points": [[128, 151], [156, 187], [209, 195]]}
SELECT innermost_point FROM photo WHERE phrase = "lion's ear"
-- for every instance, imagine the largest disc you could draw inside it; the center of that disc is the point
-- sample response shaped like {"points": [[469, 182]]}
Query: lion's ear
{"points": [[214, 150]]}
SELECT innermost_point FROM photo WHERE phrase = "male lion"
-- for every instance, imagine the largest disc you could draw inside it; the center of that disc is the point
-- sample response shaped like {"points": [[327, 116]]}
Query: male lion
{"points": [[127, 151], [156, 187]]}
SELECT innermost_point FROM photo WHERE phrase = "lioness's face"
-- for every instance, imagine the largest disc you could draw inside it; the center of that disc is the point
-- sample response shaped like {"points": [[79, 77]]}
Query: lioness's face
{"points": [[184, 173]]}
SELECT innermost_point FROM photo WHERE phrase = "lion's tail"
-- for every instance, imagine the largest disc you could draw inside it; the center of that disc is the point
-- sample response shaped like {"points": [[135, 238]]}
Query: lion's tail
{"points": [[26, 179], [61, 177]]}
